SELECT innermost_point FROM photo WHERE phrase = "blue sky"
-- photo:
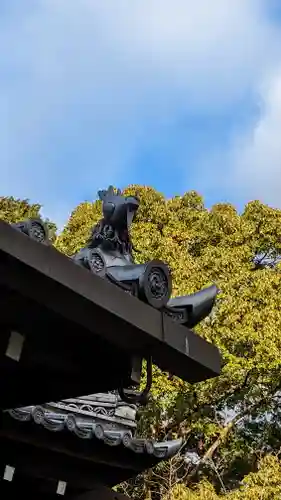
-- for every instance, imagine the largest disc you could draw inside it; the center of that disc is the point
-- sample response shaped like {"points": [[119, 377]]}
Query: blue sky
{"points": [[173, 94]]}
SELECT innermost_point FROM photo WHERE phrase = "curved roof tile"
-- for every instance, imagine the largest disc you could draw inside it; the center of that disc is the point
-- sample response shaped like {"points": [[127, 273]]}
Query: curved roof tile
{"points": [[93, 423]]}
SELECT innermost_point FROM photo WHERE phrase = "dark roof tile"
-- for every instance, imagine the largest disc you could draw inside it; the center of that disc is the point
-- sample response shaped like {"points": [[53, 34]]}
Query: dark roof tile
{"points": [[111, 430]]}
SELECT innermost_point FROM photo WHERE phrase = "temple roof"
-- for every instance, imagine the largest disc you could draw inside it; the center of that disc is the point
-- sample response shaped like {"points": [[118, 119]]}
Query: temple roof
{"points": [[79, 441], [63, 325], [79, 332], [97, 423]]}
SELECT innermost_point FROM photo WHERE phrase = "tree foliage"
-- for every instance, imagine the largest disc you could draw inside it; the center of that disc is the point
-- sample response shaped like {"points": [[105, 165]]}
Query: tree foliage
{"points": [[15, 210], [230, 424]]}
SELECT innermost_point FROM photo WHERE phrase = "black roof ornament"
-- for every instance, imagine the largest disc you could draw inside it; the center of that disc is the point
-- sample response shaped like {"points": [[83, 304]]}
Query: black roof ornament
{"points": [[118, 211], [109, 254], [34, 228]]}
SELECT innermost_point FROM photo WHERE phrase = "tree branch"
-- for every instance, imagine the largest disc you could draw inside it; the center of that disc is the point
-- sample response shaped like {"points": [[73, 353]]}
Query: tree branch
{"points": [[199, 408], [208, 455]]}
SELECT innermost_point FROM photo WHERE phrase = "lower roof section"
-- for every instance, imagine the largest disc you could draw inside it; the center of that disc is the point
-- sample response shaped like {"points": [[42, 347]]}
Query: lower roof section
{"points": [[44, 442]]}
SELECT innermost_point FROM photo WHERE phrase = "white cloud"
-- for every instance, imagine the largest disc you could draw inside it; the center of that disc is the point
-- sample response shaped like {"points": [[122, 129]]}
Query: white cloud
{"points": [[92, 80], [256, 159]]}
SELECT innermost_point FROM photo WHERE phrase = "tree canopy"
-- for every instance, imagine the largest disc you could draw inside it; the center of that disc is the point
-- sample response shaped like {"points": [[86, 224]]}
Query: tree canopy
{"points": [[230, 424]]}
